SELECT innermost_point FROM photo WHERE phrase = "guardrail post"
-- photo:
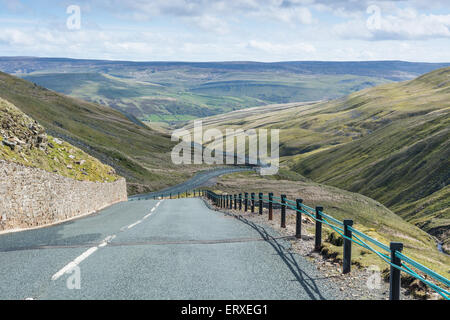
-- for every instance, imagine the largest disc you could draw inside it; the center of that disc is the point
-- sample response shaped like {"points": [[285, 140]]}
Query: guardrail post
{"points": [[298, 219], [283, 211], [347, 262], [227, 200], [394, 277], [170, 195], [240, 201], [231, 202], [260, 207], [253, 202], [235, 204], [270, 206], [246, 202], [318, 242]]}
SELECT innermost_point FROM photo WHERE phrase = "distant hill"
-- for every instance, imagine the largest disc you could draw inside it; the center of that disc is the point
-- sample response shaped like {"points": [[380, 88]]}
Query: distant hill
{"points": [[391, 143], [180, 91], [136, 152], [393, 70]]}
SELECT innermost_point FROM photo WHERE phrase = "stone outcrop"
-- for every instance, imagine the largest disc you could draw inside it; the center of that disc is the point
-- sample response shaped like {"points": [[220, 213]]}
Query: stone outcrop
{"points": [[32, 197], [20, 131]]}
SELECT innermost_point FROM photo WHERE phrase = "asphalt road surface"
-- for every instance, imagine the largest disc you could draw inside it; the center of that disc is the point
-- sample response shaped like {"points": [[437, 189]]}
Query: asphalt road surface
{"points": [[196, 181], [150, 249]]}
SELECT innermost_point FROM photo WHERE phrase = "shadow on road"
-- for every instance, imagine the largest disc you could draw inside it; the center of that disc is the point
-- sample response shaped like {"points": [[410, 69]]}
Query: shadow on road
{"points": [[305, 281]]}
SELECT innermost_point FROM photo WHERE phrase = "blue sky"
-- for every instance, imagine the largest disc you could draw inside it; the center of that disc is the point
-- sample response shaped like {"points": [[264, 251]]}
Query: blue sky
{"points": [[224, 30]]}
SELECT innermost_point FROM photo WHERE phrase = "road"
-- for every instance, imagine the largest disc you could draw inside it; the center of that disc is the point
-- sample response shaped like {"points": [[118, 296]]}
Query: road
{"points": [[196, 181], [150, 249]]}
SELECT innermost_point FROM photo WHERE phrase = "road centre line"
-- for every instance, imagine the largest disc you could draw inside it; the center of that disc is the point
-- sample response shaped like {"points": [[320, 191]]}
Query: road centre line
{"points": [[74, 263], [87, 253]]}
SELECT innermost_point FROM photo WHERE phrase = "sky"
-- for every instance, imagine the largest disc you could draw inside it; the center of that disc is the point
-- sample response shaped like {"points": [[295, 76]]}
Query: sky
{"points": [[227, 30]]}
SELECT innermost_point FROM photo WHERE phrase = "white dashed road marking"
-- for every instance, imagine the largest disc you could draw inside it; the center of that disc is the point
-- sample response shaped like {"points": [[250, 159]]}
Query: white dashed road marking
{"points": [[74, 263], [87, 253]]}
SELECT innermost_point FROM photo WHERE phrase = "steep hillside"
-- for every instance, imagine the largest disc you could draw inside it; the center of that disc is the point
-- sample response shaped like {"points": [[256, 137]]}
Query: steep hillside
{"points": [[390, 143], [180, 91], [401, 152], [24, 141], [136, 152]]}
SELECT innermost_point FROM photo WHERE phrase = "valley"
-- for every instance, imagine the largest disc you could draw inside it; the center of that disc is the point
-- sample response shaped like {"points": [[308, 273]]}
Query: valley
{"points": [[390, 143], [174, 92]]}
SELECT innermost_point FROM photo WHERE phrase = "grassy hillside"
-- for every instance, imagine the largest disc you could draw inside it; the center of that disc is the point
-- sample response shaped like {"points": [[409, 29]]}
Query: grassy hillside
{"points": [[146, 100], [369, 216], [163, 99], [390, 143], [136, 152], [46, 152], [180, 91]]}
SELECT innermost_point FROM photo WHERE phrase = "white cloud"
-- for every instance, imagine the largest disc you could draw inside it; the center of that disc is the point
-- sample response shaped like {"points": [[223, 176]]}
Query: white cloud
{"points": [[196, 30], [291, 15], [210, 23], [403, 24], [279, 48]]}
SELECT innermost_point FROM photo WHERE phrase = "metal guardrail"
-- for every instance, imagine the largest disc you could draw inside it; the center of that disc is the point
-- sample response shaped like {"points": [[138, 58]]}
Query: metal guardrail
{"points": [[392, 254]]}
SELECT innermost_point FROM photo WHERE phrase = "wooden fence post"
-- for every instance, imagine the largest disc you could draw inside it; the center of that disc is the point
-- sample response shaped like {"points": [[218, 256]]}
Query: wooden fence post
{"points": [[318, 242], [347, 255], [283, 211], [270, 206], [298, 217]]}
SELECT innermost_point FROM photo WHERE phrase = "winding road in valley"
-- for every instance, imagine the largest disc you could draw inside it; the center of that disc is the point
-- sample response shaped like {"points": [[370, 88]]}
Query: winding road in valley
{"points": [[156, 249], [198, 180]]}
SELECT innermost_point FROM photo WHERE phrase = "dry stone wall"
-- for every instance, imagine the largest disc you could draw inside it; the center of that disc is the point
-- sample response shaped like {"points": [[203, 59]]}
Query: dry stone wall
{"points": [[32, 197]]}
